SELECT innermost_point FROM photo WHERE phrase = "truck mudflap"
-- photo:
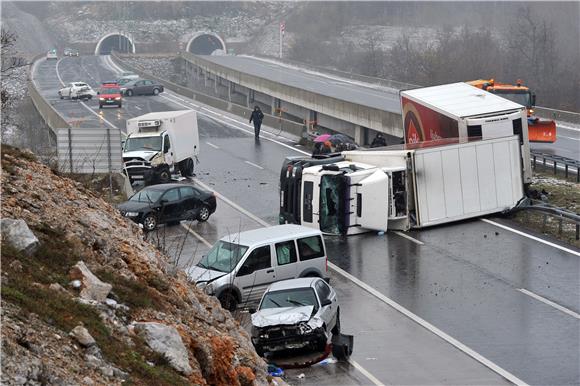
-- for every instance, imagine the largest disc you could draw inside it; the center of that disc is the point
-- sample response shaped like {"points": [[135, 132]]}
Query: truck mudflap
{"points": [[341, 347], [542, 131]]}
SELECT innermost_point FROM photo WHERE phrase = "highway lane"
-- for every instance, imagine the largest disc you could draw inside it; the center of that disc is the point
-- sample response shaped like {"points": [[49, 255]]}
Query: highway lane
{"points": [[466, 290]]}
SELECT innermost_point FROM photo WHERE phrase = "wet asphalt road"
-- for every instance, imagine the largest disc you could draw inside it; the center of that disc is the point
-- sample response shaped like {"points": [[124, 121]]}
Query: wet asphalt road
{"points": [[470, 279]]}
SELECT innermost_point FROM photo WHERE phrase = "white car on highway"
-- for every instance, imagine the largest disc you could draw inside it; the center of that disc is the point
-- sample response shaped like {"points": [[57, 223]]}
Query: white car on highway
{"points": [[51, 55], [128, 75], [77, 90], [296, 314]]}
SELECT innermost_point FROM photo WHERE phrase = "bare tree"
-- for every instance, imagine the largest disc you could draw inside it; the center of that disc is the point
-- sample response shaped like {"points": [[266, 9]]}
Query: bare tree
{"points": [[10, 61]]}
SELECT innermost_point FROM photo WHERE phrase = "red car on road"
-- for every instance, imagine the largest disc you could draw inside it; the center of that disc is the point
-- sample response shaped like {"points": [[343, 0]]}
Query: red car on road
{"points": [[110, 94]]}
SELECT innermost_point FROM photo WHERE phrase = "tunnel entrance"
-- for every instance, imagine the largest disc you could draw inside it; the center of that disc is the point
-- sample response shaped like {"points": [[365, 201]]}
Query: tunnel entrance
{"points": [[206, 43], [114, 41]]}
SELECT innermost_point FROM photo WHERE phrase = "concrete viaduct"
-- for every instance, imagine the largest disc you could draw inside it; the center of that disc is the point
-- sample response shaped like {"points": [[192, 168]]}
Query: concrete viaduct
{"points": [[322, 103]]}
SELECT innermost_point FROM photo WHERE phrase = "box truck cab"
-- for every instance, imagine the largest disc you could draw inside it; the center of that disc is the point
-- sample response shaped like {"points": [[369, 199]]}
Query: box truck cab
{"points": [[161, 144], [459, 110]]}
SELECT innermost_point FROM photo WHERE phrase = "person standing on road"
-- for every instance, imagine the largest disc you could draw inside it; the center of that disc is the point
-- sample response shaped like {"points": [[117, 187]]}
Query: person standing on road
{"points": [[257, 117], [379, 141]]}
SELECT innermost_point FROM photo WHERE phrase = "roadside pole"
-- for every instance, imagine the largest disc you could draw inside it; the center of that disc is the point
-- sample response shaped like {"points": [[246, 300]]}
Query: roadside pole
{"points": [[282, 28]]}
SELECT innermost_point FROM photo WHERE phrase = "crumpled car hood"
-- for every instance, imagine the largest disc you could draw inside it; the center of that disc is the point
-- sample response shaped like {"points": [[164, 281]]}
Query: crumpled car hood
{"points": [[285, 316]]}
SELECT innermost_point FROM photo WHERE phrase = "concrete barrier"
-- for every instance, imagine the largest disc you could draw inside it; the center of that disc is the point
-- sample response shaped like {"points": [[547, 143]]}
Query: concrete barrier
{"points": [[274, 122], [52, 117]]}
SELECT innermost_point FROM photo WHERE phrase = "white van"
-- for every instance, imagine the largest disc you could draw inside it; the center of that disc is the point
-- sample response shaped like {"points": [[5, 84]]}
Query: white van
{"points": [[240, 266]]}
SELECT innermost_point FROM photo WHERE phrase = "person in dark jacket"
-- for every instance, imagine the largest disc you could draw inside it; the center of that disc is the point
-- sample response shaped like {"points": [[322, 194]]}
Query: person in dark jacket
{"points": [[317, 149], [257, 117], [379, 141]]}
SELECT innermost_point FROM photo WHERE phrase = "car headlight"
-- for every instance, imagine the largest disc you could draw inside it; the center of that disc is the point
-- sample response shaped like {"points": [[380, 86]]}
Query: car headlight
{"points": [[205, 287], [101, 99], [131, 214], [118, 98]]}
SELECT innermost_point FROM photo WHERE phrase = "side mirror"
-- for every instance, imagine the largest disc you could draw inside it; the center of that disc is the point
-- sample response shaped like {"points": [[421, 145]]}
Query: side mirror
{"points": [[326, 302], [252, 310], [533, 99]]}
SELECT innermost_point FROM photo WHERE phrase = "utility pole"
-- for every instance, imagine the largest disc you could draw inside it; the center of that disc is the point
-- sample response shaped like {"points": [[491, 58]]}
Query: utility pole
{"points": [[282, 29]]}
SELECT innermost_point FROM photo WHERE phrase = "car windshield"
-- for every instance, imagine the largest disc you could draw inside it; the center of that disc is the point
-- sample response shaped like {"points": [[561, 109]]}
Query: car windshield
{"points": [[110, 90], [295, 297], [223, 256], [147, 195], [143, 143]]}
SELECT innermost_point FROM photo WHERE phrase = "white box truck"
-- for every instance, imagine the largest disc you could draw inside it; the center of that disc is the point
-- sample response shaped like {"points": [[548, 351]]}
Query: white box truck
{"points": [[161, 144], [404, 186], [459, 110]]}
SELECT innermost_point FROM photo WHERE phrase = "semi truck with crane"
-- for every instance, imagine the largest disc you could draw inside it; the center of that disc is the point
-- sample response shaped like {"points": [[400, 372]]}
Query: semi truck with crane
{"points": [[539, 130]]}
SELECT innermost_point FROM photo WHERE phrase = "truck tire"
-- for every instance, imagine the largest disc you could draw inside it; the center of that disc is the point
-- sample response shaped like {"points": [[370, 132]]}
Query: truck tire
{"points": [[186, 167], [164, 175]]}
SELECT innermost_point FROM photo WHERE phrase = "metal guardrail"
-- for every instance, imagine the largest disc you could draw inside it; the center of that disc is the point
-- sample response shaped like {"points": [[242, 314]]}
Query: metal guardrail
{"points": [[557, 115], [560, 214], [556, 162]]}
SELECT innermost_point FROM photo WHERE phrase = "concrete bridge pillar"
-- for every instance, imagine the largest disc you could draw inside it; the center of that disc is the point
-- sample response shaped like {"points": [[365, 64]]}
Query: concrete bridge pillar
{"points": [[230, 90], [360, 135]]}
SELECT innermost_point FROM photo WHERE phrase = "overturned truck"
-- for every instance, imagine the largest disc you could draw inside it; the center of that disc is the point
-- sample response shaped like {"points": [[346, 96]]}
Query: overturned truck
{"points": [[404, 186]]}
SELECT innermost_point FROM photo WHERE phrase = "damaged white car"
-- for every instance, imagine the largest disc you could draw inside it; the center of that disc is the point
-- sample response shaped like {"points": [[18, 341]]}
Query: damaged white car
{"points": [[296, 314]]}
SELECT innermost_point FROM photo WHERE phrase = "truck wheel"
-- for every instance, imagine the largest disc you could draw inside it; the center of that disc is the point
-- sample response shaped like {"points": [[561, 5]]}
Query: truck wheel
{"points": [[228, 301], [186, 168], [165, 176], [155, 91], [203, 214], [129, 92], [150, 222]]}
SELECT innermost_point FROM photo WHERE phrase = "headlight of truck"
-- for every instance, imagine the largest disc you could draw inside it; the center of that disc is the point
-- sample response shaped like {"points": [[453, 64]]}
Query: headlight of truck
{"points": [[118, 98], [131, 214], [101, 99]]}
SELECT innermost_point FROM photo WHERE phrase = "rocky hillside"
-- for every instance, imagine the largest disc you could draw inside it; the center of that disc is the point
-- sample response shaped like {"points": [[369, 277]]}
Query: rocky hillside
{"points": [[86, 301]]}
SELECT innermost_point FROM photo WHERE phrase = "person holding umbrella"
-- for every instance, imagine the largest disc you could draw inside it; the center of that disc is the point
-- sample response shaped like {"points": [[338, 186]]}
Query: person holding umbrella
{"points": [[257, 117]]}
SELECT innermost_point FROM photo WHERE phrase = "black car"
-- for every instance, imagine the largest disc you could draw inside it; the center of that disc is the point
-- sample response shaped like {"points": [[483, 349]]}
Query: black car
{"points": [[142, 87], [168, 203]]}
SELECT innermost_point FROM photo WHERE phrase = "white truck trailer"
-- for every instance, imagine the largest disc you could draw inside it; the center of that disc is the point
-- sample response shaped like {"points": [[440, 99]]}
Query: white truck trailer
{"points": [[161, 144], [405, 186], [459, 110]]}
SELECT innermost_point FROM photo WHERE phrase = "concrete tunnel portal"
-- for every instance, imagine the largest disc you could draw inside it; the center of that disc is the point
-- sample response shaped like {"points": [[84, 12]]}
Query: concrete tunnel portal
{"points": [[114, 41], [206, 43]]}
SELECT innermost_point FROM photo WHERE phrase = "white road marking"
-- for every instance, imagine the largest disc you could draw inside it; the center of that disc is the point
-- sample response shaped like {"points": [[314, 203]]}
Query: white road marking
{"points": [[550, 303], [138, 108], [409, 237], [377, 294], [573, 139], [531, 237], [196, 235], [212, 145], [559, 126], [423, 323], [254, 165], [365, 372]]}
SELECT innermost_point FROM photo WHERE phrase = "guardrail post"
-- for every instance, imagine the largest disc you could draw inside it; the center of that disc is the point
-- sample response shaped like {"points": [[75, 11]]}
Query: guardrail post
{"points": [[566, 170], [560, 226], [577, 231], [577, 173], [534, 162], [555, 168], [70, 160]]}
